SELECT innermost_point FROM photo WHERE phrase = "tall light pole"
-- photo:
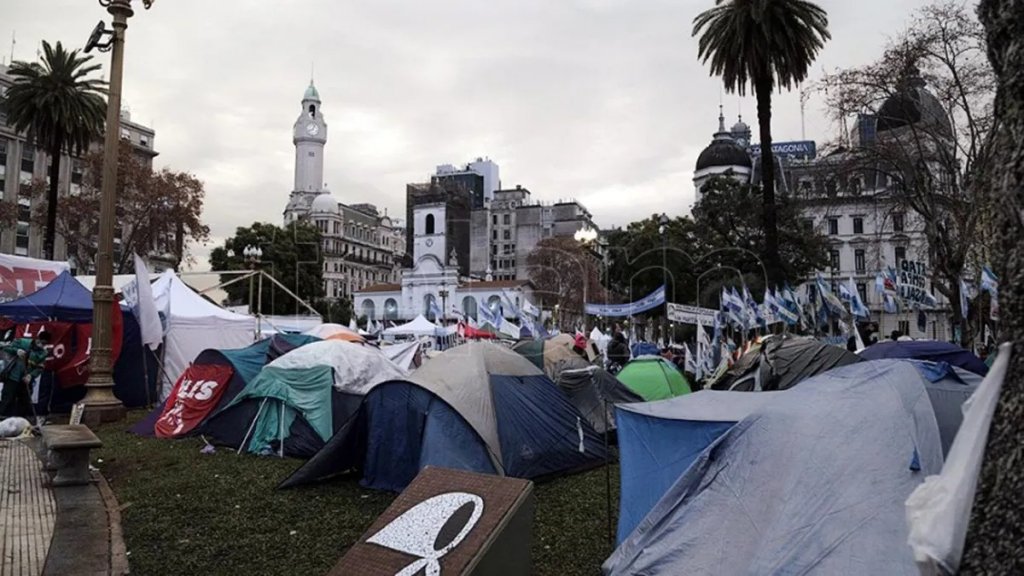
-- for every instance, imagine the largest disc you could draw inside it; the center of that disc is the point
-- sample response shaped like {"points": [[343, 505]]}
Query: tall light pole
{"points": [[663, 231], [443, 293], [101, 404], [254, 258]]}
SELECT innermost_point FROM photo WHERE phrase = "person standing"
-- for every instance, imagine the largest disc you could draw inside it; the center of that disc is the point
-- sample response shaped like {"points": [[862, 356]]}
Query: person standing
{"points": [[27, 358]]}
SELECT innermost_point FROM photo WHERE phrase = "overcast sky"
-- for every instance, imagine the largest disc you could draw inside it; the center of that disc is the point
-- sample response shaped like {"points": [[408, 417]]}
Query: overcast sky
{"points": [[603, 101]]}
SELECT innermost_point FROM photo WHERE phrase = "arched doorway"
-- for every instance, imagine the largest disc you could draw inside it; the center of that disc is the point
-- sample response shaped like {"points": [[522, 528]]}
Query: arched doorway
{"points": [[429, 304], [469, 307], [390, 309], [369, 309]]}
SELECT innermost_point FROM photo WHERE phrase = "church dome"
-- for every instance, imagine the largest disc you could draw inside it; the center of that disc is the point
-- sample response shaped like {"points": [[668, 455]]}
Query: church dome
{"points": [[324, 203], [311, 93], [913, 104], [740, 127], [723, 152]]}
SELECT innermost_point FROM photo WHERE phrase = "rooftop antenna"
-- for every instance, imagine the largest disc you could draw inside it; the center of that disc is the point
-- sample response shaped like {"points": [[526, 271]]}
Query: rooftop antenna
{"points": [[803, 108], [13, 42]]}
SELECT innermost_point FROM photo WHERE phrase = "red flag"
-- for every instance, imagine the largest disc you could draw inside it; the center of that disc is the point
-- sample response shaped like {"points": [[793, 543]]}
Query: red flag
{"points": [[194, 395]]}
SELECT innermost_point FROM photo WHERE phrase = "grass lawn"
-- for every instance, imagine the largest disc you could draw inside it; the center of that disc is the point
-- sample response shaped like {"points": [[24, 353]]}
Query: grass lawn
{"points": [[185, 512]]}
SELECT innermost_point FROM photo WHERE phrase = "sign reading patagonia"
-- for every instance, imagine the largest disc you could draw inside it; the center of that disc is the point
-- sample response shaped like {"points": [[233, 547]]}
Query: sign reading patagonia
{"points": [[652, 300]]}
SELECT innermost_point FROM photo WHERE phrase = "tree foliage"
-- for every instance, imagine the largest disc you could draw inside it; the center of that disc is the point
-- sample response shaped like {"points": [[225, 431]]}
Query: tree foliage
{"points": [[720, 244], [156, 212], [291, 256], [766, 44], [564, 271], [60, 108], [940, 166]]}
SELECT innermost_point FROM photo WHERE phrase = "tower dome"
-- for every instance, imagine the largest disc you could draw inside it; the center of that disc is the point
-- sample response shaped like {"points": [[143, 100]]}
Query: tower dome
{"points": [[724, 151], [741, 132], [913, 104], [311, 92], [324, 203]]}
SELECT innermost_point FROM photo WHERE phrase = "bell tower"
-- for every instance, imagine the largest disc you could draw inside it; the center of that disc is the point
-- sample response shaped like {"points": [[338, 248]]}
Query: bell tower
{"points": [[309, 135]]}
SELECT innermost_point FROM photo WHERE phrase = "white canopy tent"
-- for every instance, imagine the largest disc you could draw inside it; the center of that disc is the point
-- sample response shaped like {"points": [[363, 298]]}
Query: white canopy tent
{"points": [[194, 324], [419, 326], [119, 281]]}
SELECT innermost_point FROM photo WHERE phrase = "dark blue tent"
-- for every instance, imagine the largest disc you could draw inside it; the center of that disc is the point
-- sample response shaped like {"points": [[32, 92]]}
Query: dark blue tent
{"points": [[931, 350], [246, 363], [478, 407], [812, 482], [63, 299]]}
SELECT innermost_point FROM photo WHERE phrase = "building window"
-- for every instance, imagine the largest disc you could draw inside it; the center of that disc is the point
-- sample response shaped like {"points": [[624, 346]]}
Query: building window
{"points": [[897, 222], [430, 224], [506, 219], [904, 327], [494, 219], [859, 261], [858, 225], [862, 291], [834, 260], [494, 249], [900, 253], [28, 159], [507, 235], [833, 226], [494, 234]]}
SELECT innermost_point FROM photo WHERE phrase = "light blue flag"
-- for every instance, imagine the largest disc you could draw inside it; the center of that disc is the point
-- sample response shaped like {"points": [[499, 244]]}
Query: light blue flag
{"points": [[857, 307], [989, 281], [964, 296]]}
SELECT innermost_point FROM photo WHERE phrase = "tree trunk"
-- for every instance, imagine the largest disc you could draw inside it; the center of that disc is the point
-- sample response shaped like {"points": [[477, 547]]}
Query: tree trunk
{"points": [[997, 519], [51, 202], [771, 225]]}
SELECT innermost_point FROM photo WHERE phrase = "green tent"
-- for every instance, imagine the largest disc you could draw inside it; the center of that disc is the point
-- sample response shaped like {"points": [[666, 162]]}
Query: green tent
{"points": [[284, 394], [654, 379]]}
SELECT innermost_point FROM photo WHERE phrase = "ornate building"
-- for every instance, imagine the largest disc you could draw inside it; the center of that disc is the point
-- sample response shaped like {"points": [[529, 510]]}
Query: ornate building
{"points": [[360, 245], [850, 201]]}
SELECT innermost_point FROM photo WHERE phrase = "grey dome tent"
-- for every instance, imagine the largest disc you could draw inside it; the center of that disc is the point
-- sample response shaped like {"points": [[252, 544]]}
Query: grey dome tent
{"points": [[593, 391], [782, 362]]}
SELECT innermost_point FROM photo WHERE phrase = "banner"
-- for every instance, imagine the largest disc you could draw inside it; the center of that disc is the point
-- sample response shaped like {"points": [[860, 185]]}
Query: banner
{"points": [[912, 283], [71, 345], [652, 300], [20, 276], [194, 395], [62, 341], [683, 314]]}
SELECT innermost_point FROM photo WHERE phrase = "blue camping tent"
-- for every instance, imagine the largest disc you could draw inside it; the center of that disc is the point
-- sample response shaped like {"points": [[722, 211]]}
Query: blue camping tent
{"points": [[479, 407], [65, 299], [813, 480], [932, 350]]}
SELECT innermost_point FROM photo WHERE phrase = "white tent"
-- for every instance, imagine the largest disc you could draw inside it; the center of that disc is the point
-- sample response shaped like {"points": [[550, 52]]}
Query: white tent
{"points": [[357, 367], [119, 281], [404, 355], [194, 324], [420, 326]]}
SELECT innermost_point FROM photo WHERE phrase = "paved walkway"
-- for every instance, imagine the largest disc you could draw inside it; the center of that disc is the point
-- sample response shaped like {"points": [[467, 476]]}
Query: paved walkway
{"points": [[28, 511], [48, 531]]}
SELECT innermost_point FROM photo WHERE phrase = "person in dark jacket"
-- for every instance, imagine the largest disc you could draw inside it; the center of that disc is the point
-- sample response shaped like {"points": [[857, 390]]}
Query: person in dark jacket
{"points": [[27, 356], [618, 350]]}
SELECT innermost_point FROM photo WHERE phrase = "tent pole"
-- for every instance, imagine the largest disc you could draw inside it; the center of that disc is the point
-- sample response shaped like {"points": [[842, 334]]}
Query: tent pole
{"points": [[280, 433], [607, 475], [251, 426]]}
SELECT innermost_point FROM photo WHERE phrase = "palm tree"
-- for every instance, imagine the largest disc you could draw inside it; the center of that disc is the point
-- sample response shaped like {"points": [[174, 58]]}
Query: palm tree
{"points": [[763, 43], [61, 110]]}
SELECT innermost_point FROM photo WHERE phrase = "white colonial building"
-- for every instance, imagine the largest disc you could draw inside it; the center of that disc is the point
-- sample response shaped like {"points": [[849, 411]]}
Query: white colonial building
{"points": [[434, 283], [360, 245]]}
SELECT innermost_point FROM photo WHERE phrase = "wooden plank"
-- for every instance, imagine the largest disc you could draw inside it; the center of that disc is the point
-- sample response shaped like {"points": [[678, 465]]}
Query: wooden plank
{"points": [[27, 511]]}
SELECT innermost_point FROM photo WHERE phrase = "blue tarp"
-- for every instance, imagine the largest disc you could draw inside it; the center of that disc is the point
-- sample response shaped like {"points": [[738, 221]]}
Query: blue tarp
{"points": [[813, 481], [932, 350], [659, 440], [64, 299]]}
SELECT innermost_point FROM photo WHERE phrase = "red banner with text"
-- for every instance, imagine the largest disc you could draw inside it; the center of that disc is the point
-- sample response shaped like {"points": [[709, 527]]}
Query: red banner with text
{"points": [[70, 345], [195, 394]]}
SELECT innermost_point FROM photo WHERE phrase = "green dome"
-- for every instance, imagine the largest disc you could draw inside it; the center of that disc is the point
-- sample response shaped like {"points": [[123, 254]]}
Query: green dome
{"points": [[311, 93]]}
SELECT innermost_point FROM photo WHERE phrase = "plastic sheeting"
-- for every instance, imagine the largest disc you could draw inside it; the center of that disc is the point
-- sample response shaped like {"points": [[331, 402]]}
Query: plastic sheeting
{"points": [[783, 362], [406, 355], [811, 482], [357, 368], [659, 440], [939, 510]]}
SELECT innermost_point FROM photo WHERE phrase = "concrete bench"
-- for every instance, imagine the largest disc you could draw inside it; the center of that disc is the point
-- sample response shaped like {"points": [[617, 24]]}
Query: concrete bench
{"points": [[67, 452]]}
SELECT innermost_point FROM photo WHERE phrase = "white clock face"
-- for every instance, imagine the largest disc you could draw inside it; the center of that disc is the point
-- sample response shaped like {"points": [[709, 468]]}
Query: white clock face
{"points": [[429, 242], [312, 129]]}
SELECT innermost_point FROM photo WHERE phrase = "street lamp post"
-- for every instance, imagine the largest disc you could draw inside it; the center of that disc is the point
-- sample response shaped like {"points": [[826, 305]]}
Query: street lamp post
{"points": [[443, 293], [662, 230], [254, 258], [101, 404]]}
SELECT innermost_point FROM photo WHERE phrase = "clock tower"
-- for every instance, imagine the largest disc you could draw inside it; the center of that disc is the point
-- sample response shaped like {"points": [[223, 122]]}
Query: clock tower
{"points": [[309, 134]]}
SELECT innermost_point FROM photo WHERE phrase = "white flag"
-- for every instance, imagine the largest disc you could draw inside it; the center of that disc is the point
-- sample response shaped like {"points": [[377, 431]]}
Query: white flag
{"points": [[145, 307]]}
